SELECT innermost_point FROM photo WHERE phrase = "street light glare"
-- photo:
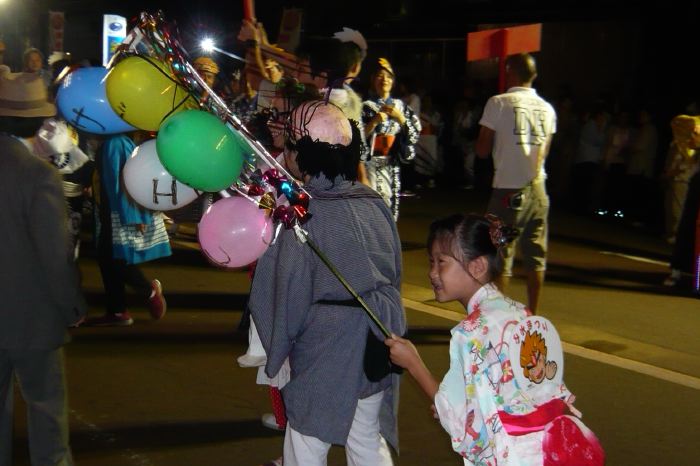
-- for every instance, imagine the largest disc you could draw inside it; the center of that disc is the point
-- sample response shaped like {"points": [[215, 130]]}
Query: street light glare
{"points": [[207, 44]]}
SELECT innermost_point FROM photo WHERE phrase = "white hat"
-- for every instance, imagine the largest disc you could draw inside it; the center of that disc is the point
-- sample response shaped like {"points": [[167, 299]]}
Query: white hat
{"points": [[354, 36], [24, 95]]}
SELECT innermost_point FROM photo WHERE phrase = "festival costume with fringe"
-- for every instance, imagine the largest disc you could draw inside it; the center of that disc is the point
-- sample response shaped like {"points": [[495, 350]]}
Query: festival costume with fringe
{"points": [[303, 312]]}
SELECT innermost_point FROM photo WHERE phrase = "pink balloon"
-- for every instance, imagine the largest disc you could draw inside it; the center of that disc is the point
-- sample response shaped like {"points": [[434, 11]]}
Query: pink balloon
{"points": [[234, 232]]}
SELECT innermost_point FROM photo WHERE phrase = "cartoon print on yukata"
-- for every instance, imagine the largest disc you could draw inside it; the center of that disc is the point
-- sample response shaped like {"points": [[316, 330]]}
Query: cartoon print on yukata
{"points": [[535, 345], [533, 358]]}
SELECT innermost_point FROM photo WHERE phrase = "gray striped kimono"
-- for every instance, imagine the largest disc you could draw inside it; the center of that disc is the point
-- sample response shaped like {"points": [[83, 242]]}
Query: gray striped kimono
{"points": [[293, 302]]}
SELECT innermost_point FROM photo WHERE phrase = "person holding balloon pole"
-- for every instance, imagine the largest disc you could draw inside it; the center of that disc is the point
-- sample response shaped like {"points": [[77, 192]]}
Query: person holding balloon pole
{"points": [[287, 96], [126, 235], [342, 390]]}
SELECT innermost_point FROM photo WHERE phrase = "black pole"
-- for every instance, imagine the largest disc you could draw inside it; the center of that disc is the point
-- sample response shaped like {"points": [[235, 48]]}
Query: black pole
{"points": [[303, 236]]}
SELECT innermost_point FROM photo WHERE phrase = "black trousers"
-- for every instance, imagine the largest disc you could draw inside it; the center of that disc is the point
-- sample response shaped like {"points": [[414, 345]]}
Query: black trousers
{"points": [[116, 273]]}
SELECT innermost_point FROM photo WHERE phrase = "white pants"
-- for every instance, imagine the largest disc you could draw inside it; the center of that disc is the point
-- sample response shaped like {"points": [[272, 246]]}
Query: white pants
{"points": [[365, 446], [255, 347]]}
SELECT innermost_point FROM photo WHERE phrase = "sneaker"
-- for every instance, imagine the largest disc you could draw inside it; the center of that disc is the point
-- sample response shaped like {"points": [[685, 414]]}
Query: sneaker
{"points": [[248, 360], [156, 303], [269, 421], [120, 319]]}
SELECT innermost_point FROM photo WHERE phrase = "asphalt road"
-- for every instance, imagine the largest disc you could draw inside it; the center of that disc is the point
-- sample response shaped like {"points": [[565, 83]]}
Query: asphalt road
{"points": [[170, 393]]}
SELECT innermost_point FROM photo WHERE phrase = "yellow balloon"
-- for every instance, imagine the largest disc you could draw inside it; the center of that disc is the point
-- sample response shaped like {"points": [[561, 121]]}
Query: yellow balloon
{"points": [[144, 92]]}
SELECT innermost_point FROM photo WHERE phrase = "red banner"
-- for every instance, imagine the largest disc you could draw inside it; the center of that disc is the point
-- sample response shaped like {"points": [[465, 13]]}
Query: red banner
{"points": [[56, 25]]}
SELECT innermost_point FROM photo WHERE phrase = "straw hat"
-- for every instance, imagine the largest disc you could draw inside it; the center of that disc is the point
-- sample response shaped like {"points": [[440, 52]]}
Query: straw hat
{"points": [[24, 95], [383, 64], [206, 64]]}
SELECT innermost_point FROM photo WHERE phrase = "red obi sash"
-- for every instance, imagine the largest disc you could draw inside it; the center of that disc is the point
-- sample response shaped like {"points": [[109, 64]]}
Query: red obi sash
{"points": [[521, 424], [566, 442]]}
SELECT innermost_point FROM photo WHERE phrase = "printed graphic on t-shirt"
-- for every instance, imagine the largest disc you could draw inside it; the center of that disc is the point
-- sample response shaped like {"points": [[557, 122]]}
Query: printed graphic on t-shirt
{"points": [[530, 126]]}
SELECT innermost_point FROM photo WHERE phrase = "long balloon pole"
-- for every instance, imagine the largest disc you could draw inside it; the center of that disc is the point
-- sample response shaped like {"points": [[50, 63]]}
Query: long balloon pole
{"points": [[303, 236]]}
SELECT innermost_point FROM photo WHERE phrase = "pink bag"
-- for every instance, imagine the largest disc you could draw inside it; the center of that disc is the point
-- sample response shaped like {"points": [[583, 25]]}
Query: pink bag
{"points": [[568, 442]]}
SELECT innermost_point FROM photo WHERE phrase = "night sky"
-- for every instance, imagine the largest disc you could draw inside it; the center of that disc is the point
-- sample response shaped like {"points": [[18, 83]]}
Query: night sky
{"points": [[622, 48]]}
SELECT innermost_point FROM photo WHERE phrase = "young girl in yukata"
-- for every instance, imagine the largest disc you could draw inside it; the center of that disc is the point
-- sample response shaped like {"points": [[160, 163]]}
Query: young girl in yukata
{"points": [[499, 407]]}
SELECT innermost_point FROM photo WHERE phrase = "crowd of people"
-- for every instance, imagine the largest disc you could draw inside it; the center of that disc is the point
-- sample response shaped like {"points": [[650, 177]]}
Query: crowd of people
{"points": [[356, 156]]}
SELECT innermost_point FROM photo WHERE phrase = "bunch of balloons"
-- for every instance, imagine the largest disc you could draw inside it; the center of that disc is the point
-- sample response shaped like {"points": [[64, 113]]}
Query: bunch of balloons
{"points": [[200, 145]]}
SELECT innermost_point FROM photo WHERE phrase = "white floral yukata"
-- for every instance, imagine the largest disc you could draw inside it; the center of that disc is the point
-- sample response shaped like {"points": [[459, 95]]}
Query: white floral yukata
{"points": [[480, 383]]}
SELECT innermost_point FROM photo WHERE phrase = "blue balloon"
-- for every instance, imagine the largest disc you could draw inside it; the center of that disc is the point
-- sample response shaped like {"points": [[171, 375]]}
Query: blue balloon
{"points": [[82, 102]]}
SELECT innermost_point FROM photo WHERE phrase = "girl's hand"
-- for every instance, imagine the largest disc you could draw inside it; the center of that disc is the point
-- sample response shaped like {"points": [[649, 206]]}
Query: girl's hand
{"points": [[393, 113], [380, 117], [402, 352]]}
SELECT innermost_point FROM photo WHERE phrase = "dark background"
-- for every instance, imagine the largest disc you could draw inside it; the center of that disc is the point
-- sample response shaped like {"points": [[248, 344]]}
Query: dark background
{"points": [[624, 49], [623, 53]]}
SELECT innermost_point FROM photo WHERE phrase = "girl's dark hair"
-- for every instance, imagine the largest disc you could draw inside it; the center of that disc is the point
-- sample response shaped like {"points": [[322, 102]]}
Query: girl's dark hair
{"points": [[470, 236]]}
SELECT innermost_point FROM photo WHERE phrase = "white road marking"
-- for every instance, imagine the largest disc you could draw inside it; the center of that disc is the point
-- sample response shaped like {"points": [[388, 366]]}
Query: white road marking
{"points": [[433, 310], [580, 351], [646, 260], [636, 366]]}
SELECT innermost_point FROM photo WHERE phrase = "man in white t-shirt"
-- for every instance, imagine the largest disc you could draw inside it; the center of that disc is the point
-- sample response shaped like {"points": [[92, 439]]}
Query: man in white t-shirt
{"points": [[517, 128]]}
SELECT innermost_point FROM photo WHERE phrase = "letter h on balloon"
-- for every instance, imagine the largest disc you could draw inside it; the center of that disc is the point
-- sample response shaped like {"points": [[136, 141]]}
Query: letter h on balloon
{"points": [[172, 194]]}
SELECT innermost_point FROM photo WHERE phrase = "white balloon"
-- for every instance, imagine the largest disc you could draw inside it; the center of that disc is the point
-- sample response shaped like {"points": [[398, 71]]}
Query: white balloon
{"points": [[150, 184]]}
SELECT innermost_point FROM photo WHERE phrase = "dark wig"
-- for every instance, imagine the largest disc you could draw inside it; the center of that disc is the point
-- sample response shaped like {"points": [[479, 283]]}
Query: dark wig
{"points": [[315, 157]]}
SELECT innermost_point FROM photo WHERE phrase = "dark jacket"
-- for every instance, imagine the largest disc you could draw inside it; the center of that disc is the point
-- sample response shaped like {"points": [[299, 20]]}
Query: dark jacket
{"points": [[291, 302], [39, 288]]}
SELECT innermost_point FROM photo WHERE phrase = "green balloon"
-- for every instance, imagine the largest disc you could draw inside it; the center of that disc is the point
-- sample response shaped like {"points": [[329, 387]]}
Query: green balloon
{"points": [[199, 150], [245, 147]]}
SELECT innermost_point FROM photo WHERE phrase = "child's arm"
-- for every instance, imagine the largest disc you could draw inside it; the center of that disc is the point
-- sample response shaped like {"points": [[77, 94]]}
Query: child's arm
{"points": [[404, 354]]}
